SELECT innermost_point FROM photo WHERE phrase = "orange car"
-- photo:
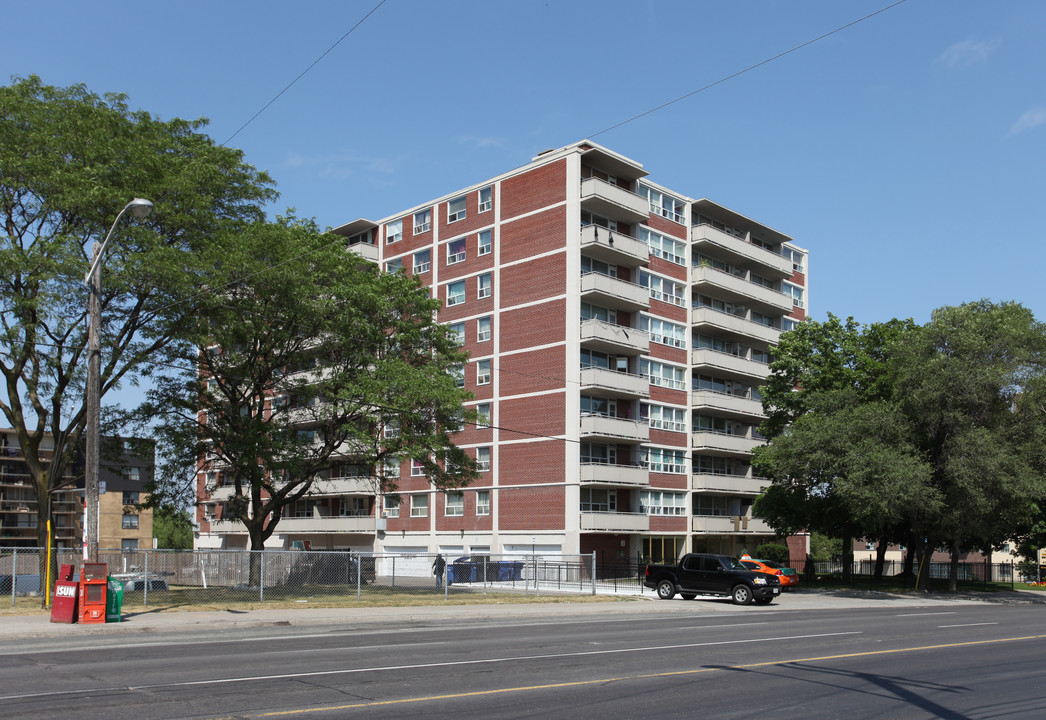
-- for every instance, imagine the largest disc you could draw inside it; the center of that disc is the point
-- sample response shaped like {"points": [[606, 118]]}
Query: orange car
{"points": [[788, 576]]}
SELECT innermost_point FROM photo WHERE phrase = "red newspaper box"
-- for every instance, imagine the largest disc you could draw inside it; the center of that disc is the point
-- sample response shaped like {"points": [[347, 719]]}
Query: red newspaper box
{"points": [[66, 593], [93, 584]]}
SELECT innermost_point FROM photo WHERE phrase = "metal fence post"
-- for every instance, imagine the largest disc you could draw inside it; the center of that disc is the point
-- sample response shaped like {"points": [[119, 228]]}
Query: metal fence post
{"points": [[261, 575], [145, 582], [594, 572], [359, 574], [14, 576]]}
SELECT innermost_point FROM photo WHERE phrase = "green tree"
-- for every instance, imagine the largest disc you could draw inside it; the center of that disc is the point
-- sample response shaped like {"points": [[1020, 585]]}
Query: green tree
{"points": [[839, 457], [310, 357], [69, 161], [172, 528], [961, 380]]}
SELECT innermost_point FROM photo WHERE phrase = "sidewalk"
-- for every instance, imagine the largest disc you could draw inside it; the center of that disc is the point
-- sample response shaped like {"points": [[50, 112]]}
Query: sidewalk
{"points": [[189, 621]]}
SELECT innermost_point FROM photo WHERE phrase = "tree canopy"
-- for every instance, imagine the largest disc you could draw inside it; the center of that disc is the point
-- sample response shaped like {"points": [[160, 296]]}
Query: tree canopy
{"points": [[305, 359], [69, 161], [930, 436]]}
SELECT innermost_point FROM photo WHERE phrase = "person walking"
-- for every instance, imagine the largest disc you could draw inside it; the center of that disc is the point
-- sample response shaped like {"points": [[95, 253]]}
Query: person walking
{"points": [[439, 565]]}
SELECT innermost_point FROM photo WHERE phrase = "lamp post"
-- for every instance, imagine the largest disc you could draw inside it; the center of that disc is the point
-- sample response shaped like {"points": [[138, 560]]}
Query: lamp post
{"points": [[93, 279]]}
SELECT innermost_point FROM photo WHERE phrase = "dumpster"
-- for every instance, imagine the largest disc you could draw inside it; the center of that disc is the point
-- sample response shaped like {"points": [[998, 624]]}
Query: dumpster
{"points": [[510, 571], [114, 601], [66, 593], [462, 571]]}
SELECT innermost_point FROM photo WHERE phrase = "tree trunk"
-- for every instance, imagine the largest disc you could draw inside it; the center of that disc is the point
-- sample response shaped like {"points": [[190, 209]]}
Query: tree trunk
{"points": [[254, 530], [880, 557], [909, 556], [848, 558], [44, 539], [925, 554], [953, 570]]}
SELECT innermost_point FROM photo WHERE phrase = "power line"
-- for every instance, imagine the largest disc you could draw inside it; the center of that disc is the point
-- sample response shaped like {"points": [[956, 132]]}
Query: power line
{"points": [[750, 67], [303, 72]]}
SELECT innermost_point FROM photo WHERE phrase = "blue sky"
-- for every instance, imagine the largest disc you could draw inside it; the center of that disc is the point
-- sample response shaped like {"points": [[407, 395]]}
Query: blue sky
{"points": [[905, 152]]}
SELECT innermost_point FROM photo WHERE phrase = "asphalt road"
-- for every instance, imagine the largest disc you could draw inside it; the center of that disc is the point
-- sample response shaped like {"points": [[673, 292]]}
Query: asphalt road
{"points": [[955, 662]]}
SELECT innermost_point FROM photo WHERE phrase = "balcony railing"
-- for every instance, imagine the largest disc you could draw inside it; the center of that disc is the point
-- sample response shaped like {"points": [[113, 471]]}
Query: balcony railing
{"points": [[614, 522], [613, 247], [739, 249], [614, 202], [615, 292], [614, 339]]}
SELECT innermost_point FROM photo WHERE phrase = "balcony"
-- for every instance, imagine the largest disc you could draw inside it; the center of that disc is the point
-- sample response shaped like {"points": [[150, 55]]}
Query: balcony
{"points": [[336, 524], [730, 484], [614, 522], [344, 486], [720, 402], [227, 527], [613, 247], [616, 203], [704, 317], [614, 293], [723, 444], [611, 475], [367, 252], [606, 382], [614, 339], [741, 291], [729, 524], [613, 429], [734, 365], [706, 239]]}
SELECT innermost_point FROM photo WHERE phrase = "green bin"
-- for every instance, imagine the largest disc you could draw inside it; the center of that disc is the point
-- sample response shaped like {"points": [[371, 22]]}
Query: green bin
{"points": [[114, 601]]}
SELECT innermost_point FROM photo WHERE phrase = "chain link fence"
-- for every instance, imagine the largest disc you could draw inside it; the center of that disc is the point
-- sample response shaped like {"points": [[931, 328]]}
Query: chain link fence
{"points": [[169, 578]]}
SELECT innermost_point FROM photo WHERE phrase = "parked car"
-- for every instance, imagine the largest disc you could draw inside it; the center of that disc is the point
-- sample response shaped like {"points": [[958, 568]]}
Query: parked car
{"points": [[788, 576], [712, 575]]}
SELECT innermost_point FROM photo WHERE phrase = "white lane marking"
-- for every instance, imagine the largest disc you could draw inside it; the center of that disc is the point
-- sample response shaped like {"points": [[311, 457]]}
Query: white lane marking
{"points": [[950, 612], [416, 666], [968, 625]]}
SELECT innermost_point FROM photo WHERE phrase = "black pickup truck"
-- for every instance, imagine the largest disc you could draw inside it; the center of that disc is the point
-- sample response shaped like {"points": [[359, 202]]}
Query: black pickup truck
{"points": [[714, 575]]}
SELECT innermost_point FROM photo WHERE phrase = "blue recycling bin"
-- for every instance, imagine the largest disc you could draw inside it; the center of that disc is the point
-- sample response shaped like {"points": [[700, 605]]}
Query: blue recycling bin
{"points": [[510, 571], [462, 571]]}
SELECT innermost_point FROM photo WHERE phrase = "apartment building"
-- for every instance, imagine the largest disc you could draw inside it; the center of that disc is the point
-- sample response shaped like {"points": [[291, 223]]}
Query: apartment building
{"points": [[127, 465], [617, 334]]}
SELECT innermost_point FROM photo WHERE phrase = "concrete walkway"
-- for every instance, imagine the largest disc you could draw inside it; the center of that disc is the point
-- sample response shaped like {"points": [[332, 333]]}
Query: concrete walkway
{"points": [[159, 621]]}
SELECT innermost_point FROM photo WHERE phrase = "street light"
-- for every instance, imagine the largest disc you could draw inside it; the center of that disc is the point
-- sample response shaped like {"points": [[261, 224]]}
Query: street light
{"points": [[93, 279]]}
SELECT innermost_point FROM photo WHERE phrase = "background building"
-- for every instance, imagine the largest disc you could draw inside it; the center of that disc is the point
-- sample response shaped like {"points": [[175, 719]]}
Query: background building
{"points": [[617, 332], [127, 465]]}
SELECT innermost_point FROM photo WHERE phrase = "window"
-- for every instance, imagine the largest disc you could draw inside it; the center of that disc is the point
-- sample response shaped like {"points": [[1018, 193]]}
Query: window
{"points": [[483, 329], [392, 428], [394, 232], [485, 196], [795, 292], [662, 375], [663, 460], [587, 171], [394, 266], [717, 505], [663, 246], [483, 502], [598, 500], [458, 373], [662, 417], [130, 522], [588, 218], [419, 505], [455, 251], [484, 242], [663, 331], [362, 238], [591, 405], [652, 502], [762, 319], [796, 257], [455, 293], [392, 506], [457, 332], [129, 544], [455, 504], [483, 415], [456, 209], [590, 265], [663, 204], [417, 468], [598, 453], [392, 468], [422, 221], [484, 285], [594, 312], [594, 358], [710, 465], [483, 372], [483, 459], [663, 289], [422, 261], [350, 506], [130, 498]]}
